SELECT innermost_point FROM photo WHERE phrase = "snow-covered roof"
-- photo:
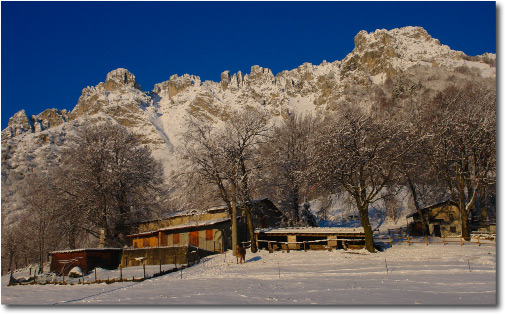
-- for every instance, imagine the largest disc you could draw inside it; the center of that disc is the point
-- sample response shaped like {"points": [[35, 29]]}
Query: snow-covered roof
{"points": [[311, 230], [196, 212], [433, 206], [196, 224], [183, 226], [86, 249]]}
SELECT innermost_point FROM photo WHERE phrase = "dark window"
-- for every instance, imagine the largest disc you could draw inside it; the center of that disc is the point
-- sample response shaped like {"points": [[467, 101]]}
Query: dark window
{"points": [[453, 229]]}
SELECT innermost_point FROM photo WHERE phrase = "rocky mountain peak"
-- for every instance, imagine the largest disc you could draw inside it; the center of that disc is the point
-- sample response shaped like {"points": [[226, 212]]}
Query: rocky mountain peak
{"points": [[176, 84], [120, 77], [19, 123], [389, 51]]}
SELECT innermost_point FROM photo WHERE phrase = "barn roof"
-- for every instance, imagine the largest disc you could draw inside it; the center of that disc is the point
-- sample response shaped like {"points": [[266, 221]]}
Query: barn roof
{"points": [[322, 230], [192, 224], [218, 208], [433, 206], [85, 250]]}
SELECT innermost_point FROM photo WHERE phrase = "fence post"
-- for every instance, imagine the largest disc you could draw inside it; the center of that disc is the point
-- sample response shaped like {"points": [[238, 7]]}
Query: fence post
{"points": [[461, 239], [390, 241], [144, 266], [408, 240], [478, 240], [426, 240], [95, 273], [443, 238], [120, 272]]}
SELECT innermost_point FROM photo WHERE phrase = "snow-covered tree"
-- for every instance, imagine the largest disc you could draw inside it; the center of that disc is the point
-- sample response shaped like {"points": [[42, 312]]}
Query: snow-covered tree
{"points": [[358, 153], [462, 126], [227, 157], [111, 180], [286, 160]]}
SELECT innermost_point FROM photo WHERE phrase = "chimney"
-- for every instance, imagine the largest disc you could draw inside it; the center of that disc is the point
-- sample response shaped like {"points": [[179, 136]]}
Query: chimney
{"points": [[102, 239]]}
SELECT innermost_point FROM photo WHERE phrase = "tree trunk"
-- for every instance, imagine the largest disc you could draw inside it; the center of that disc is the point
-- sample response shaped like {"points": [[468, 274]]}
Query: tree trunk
{"points": [[233, 219], [365, 223], [11, 260], [105, 224], [296, 201], [41, 256], [71, 238], [465, 228], [250, 226], [426, 229], [483, 205]]}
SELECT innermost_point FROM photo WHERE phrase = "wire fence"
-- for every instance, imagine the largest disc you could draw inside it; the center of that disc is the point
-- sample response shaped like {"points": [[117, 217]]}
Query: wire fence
{"points": [[99, 275]]}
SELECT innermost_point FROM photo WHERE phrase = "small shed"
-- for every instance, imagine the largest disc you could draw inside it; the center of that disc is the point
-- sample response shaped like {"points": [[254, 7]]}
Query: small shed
{"points": [[310, 238], [443, 219], [87, 259]]}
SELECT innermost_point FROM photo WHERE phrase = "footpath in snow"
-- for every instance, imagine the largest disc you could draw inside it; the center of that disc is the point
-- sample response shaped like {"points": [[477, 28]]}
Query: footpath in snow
{"points": [[417, 274]]}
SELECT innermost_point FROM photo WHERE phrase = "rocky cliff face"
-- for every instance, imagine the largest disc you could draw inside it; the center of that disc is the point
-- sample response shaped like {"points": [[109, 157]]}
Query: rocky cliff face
{"points": [[158, 117]]}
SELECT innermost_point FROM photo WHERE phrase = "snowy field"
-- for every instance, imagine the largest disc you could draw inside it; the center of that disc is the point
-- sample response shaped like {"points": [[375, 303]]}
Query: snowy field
{"points": [[419, 274]]}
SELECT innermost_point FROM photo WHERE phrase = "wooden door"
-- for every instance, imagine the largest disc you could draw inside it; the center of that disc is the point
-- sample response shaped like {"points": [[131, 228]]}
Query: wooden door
{"points": [[193, 238], [436, 231]]}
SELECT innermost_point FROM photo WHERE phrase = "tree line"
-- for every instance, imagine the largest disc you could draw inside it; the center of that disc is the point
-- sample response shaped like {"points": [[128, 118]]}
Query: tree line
{"points": [[436, 145]]}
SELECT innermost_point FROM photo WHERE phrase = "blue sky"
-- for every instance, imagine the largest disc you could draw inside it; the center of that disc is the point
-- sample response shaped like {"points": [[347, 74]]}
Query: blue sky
{"points": [[52, 50]]}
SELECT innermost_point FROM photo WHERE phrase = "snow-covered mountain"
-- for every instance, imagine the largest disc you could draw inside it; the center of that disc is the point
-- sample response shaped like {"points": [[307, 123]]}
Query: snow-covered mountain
{"points": [[157, 117]]}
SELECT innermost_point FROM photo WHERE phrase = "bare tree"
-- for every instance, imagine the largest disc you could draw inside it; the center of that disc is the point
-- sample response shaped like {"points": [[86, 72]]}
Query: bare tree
{"points": [[357, 153], [227, 157], [462, 123], [111, 179], [286, 159], [42, 214]]}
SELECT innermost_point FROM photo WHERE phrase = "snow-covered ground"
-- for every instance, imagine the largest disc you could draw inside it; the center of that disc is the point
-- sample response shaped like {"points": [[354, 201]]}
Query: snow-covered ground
{"points": [[418, 274]]}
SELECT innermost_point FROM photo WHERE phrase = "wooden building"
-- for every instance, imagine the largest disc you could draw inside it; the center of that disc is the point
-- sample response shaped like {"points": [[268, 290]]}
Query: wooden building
{"points": [[310, 238], [209, 235], [443, 220], [86, 259], [208, 229]]}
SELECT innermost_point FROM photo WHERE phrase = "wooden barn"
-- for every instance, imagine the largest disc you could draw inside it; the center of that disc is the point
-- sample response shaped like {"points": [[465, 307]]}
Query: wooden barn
{"points": [[443, 219], [86, 259], [208, 234], [208, 230], [310, 238]]}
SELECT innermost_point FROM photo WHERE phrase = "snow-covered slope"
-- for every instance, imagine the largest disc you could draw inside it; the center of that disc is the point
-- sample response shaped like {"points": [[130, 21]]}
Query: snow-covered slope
{"points": [[157, 117]]}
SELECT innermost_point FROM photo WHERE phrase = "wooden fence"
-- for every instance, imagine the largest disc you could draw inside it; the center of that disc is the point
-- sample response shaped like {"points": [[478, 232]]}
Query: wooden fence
{"points": [[477, 240]]}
